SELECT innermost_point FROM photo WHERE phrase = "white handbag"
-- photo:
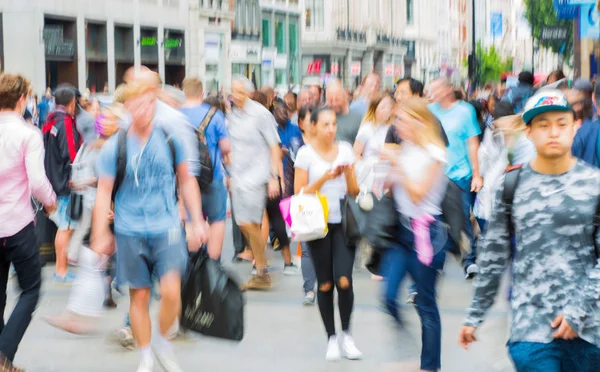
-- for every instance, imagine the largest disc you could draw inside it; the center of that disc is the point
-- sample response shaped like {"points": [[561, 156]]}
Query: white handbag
{"points": [[309, 214]]}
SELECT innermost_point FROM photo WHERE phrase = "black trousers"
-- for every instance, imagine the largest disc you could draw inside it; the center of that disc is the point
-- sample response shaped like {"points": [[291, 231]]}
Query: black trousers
{"points": [[333, 260], [23, 251], [276, 222]]}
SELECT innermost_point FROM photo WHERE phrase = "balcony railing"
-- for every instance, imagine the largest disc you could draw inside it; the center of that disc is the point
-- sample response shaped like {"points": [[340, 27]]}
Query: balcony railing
{"points": [[346, 34]]}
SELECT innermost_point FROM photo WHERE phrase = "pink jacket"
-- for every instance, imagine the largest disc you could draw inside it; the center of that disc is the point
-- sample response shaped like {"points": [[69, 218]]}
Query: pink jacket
{"points": [[22, 173]]}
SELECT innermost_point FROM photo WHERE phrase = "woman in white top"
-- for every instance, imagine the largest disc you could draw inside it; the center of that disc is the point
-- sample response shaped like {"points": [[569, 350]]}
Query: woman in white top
{"points": [[419, 185], [371, 138], [326, 166]]}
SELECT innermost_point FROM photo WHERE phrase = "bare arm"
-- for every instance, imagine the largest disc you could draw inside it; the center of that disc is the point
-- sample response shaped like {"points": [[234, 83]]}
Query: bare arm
{"points": [[225, 147], [359, 148], [100, 231], [351, 183], [276, 161], [190, 192], [473, 147], [301, 181]]}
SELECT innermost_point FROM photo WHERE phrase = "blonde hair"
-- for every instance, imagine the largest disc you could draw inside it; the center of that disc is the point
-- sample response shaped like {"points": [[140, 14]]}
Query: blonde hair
{"points": [[136, 88], [192, 87], [517, 125], [430, 132], [371, 114]]}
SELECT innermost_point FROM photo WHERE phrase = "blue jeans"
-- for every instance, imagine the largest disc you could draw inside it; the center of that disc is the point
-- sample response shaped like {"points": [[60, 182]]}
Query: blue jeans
{"points": [[308, 269], [400, 259], [557, 356], [468, 202]]}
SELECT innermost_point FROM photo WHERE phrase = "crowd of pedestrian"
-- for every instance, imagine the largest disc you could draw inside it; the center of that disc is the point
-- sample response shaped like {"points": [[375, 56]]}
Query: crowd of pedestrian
{"points": [[134, 186]]}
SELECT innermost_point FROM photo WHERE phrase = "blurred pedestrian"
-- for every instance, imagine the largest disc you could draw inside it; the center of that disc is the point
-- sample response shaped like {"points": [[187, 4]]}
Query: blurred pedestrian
{"points": [[22, 174], [370, 86], [348, 120]]}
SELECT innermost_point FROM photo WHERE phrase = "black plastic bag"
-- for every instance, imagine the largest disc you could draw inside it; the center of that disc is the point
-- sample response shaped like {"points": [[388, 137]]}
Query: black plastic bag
{"points": [[452, 210], [75, 207], [351, 217], [212, 302]]}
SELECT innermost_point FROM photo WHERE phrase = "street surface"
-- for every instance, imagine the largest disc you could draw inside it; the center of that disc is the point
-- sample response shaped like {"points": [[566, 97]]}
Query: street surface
{"points": [[281, 335]]}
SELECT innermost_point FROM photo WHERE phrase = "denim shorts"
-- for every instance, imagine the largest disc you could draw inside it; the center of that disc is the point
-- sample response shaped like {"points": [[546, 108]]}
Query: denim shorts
{"points": [[214, 202], [61, 216], [138, 257]]}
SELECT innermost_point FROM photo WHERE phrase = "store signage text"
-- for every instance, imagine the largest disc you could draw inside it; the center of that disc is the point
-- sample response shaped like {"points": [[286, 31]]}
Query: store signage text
{"points": [[314, 67]]}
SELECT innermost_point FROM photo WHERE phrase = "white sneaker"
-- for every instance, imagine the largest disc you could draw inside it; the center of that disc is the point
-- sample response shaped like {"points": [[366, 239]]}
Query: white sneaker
{"points": [[348, 347], [290, 270], [167, 361], [146, 365], [333, 350]]}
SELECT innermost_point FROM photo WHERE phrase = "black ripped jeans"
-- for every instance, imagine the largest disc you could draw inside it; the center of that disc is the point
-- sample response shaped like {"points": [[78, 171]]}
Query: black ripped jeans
{"points": [[334, 263]]}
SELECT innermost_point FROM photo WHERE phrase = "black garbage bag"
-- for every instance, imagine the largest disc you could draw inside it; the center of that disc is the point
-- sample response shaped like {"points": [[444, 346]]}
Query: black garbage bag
{"points": [[212, 302]]}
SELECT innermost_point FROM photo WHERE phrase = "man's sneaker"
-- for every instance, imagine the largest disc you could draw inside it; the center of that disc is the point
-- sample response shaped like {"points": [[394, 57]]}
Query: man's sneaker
{"points": [[333, 350], [7, 366], [348, 347], [258, 282], [167, 361], [309, 298], [253, 272], [146, 365], [411, 298], [290, 269], [471, 271], [69, 278], [123, 337]]}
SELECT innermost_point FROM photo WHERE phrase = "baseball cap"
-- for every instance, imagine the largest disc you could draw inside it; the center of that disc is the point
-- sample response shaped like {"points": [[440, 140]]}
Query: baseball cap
{"points": [[546, 100]]}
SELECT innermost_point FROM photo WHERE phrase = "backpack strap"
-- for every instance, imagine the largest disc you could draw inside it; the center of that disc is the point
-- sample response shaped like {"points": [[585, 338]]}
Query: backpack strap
{"points": [[511, 181], [172, 149], [202, 128], [121, 161]]}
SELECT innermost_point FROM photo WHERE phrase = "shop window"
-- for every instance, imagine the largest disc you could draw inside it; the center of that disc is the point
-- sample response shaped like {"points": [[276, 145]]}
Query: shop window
{"points": [[314, 15], [266, 34], [280, 36]]}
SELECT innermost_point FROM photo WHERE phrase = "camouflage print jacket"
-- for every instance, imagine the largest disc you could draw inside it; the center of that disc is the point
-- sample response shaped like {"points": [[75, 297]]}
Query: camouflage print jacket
{"points": [[555, 266]]}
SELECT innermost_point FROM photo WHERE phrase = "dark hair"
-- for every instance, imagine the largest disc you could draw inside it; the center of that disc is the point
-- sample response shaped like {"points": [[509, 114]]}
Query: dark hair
{"points": [[314, 115], [478, 106], [213, 101], [597, 92], [416, 87], [503, 109], [261, 98], [557, 75], [292, 94], [459, 95], [64, 95], [278, 102], [304, 110], [526, 77]]}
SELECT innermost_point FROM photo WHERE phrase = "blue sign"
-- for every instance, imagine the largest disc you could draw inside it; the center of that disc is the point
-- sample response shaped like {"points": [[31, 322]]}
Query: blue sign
{"points": [[565, 10], [590, 22], [496, 24]]}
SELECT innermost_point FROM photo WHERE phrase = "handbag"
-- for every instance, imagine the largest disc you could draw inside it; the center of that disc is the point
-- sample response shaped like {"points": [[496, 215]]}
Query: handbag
{"points": [[309, 215], [351, 221], [382, 223]]}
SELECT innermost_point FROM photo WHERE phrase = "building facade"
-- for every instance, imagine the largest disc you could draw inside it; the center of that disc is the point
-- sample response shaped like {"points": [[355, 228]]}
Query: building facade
{"points": [[90, 44], [246, 48], [348, 39], [281, 41]]}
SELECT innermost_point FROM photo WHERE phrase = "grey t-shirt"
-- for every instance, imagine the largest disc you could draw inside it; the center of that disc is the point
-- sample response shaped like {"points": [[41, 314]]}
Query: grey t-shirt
{"points": [[348, 126], [555, 267], [252, 132], [85, 123]]}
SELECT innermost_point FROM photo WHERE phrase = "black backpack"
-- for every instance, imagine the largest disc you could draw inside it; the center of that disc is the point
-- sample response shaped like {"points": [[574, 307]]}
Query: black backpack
{"points": [[511, 181], [206, 166], [122, 159]]}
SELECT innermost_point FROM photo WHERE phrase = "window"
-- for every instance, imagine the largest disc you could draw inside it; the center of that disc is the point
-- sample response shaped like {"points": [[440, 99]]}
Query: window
{"points": [[238, 16], [280, 36], [409, 12], [266, 33], [314, 14]]}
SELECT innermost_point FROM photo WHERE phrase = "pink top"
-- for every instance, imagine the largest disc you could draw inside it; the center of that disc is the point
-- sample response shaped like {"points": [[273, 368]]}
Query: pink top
{"points": [[22, 173]]}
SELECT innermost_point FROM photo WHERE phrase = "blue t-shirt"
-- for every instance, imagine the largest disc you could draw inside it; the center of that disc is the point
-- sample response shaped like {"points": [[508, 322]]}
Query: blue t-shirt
{"points": [[460, 124], [145, 204], [291, 137], [216, 130], [361, 105]]}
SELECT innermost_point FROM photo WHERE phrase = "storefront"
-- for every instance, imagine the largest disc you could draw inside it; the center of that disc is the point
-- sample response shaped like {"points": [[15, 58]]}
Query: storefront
{"points": [[213, 59], [323, 67], [96, 57], [61, 52], [174, 49], [149, 48], [123, 51], [246, 60]]}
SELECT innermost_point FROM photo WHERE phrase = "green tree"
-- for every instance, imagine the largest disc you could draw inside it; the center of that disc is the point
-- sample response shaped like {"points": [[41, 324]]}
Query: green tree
{"points": [[491, 65], [541, 13]]}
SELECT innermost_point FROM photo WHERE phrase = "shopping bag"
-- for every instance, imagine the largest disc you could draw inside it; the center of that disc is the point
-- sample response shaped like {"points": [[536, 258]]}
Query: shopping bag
{"points": [[212, 303], [351, 221], [284, 207], [382, 223], [309, 214]]}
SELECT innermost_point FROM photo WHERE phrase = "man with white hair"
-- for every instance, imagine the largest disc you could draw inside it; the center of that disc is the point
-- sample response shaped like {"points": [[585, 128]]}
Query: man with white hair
{"points": [[348, 120], [254, 171]]}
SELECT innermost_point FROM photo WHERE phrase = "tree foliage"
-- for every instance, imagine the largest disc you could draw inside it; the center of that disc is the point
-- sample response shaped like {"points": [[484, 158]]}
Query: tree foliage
{"points": [[491, 65], [541, 13]]}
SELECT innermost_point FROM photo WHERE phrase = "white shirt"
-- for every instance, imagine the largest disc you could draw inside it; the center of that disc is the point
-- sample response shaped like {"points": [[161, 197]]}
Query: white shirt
{"points": [[373, 137], [414, 160], [335, 190]]}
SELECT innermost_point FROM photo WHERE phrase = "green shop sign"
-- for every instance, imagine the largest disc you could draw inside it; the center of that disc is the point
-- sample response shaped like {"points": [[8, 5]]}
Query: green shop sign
{"points": [[173, 43], [148, 41]]}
